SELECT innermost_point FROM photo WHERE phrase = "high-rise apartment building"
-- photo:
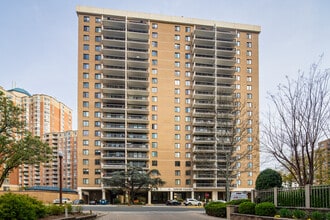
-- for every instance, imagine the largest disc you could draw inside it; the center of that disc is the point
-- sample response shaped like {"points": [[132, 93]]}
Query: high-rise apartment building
{"points": [[42, 114], [167, 93], [322, 174]]}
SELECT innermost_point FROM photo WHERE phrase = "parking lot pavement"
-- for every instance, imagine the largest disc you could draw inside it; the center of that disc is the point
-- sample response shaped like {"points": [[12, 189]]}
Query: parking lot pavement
{"points": [[151, 215]]}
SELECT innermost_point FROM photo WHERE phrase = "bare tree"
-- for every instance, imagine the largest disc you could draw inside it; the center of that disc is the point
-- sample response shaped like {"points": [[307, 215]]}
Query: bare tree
{"points": [[298, 120]]}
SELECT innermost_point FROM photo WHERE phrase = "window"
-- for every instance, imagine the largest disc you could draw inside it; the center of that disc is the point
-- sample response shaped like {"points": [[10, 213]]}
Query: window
{"points": [[85, 161], [154, 153], [86, 18], [154, 80], [187, 47], [85, 84], [249, 78], [188, 137], [85, 104], [97, 143], [177, 82], [187, 127], [97, 171], [187, 64], [248, 36], [85, 151], [177, 91], [177, 127], [177, 163], [177, 63], [249, 53], [154, 53], [238, 182], [177, 145], [176, 118], [154, 71], [249, 70], [249, 139], [85, 181], [238, 69], [97, 114], [249, 95], [188, 38], [154, 126], [85, 94], [187, 118], [177, 154], [176, 55], [154, 163], [187, 55], [188, 101], [86, 28], [176, 37], [154, 35], [238, 52], [250, 182], [238, 34], [177, 28], [238, 60], [154, 144], [177, 46], [249, 130], [97, 133], [177, 173], [98, 29], [177, 182], [177, 100], [97, 76], [188, 163], [188, 73], [86, 37], [154, 89], [85, 66], [85, 113], [176, 109], [98, 57], [154, 26], [249, 87], [86, 171], [154, 62], [154, 107], [248, 61], [97, 104], [154, 43], [249, 147], [85, 75], [188, 155], [154, 135], [187, 84], [177, 136], [238, 43], [249, 104], [154, 117], [177, 73], [97, 85], [154, 98], [250, 164], [97, 162], [97, 66], [97, 20], [86, 47], [188, 29], [97, 124], [249, 44], [97, 48]]}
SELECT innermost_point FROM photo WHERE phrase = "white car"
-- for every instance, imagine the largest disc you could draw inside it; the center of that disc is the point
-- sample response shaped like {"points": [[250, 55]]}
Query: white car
{"points": [[191, 201], [64, 201]]}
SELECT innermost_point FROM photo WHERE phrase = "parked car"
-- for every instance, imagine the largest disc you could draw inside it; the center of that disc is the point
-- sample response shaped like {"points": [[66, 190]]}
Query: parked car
{"points": [[103, 202], [191, 201], [173, 202], [93, 202], [238, 195], [64, 201], [78, 202]]}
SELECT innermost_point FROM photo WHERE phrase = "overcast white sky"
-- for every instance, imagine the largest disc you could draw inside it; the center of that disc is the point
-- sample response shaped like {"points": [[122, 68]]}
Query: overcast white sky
{"points": [[38, 40]]}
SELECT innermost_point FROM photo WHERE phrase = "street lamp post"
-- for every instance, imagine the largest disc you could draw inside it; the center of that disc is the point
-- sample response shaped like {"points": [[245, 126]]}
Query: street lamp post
{"points": [[60, 156]]}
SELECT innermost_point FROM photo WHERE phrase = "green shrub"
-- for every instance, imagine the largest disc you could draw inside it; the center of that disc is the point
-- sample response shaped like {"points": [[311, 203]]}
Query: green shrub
{"points": [[238, 201], [299, 214], [217, 209], [265, 209], [14, 206], [55, 209], [285, 213], [327, 216], [247, 208], [317, 215]]}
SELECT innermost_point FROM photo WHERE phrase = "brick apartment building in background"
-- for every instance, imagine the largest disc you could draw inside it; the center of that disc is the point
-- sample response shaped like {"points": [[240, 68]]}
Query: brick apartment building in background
{"points": [[158, 92], [45, 117], [322, 175]]}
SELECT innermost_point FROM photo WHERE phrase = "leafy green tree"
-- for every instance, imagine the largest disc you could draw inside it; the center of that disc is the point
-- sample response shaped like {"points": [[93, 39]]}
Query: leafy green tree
{"points": [[17, 145], [268, 179], [134, 180]]}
